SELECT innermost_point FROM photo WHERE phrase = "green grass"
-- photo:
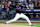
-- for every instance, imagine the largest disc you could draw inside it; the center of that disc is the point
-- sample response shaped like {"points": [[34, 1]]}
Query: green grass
{"points": [[25, 24]]}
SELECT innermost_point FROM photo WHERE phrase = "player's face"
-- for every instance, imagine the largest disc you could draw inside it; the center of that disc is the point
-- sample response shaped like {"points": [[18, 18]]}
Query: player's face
{"points": [[19, 3]]}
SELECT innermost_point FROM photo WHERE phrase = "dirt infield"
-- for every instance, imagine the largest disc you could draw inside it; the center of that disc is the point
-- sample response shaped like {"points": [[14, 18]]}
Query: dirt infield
{"points": [[11, 25]]}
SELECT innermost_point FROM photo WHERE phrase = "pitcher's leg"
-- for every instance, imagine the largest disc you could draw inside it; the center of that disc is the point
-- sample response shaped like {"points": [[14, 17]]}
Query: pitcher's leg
{"points": [[28, 20], [15, 18], [25, 17]]}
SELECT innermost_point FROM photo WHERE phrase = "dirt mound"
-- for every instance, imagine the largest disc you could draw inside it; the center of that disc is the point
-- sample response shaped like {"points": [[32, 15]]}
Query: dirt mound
{"points": [[11, 25]]}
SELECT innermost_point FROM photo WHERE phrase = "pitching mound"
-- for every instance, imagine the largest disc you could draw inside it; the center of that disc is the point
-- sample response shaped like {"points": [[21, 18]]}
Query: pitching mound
{"points": [[11, 25]]}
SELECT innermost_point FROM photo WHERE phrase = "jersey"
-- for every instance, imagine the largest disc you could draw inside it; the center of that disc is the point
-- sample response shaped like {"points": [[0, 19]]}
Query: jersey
{"points": [[6, 6], [19, 9]]}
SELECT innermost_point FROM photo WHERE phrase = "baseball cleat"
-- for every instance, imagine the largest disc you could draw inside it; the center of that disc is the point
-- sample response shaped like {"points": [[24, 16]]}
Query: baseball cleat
{"points": [[5, 23], [32, 25]]}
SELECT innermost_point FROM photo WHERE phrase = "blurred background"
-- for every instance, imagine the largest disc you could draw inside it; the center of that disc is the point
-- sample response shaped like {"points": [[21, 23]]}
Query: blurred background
{"points": [[31, 8]]}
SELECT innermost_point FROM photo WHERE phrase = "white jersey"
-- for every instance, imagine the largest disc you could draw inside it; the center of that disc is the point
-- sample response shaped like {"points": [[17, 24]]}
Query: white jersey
{"points": [[2, 6], [31, 6], [21, 0]]}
